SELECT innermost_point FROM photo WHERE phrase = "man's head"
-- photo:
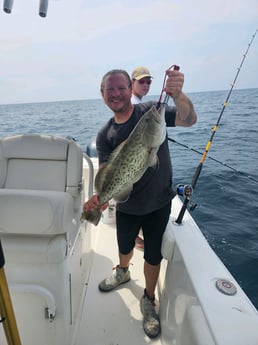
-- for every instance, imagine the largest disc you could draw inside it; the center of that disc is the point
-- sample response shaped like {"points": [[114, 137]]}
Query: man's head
{"points": [[116, 89], [141, 81]]}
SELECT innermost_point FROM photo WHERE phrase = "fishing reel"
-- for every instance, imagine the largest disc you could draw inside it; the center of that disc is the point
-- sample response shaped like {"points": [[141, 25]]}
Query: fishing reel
{"points": [[186, 190]]}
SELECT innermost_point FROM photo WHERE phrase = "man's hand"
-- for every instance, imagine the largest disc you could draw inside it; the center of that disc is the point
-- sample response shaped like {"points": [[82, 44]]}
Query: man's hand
{"points": [[93, 203], [174, 83]]}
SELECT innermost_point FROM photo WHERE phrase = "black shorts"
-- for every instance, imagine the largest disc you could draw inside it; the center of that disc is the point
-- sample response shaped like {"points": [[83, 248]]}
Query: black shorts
{"points": [[153, 226]]}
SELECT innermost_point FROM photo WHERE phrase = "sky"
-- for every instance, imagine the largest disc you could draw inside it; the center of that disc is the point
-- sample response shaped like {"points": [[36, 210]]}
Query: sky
{"points": [[65, 55]]}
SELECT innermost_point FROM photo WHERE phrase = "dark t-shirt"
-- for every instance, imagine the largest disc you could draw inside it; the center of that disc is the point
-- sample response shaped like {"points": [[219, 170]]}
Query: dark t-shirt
{"points": [[154, 189]]}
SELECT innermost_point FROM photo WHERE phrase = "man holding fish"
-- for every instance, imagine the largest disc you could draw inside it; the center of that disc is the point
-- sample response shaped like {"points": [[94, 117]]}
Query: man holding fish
{"points": [[135, 169]]}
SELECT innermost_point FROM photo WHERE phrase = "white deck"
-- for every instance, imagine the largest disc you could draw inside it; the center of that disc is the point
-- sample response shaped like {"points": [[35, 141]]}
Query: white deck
{"points": [[68, 265], [114, 317]]}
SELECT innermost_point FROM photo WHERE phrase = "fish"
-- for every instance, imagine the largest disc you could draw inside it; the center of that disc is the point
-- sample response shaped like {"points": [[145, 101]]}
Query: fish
{"points": [[129, 161]]}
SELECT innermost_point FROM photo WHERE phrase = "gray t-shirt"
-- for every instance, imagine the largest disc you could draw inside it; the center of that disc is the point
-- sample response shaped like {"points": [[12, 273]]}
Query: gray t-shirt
{"points": [[154, 189]]}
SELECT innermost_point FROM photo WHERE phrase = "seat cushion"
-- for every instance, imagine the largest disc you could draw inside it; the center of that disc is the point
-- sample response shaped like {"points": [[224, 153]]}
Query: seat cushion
{"points": [[35, 146], [36, 212], [36, 174]]}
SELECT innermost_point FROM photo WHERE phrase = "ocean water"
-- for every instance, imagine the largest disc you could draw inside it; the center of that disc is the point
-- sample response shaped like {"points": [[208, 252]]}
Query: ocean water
{"points": [[226, 198]]}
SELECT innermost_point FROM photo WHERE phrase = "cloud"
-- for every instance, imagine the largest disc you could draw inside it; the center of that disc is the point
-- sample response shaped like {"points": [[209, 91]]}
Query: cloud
{"points": [[65, 54]]}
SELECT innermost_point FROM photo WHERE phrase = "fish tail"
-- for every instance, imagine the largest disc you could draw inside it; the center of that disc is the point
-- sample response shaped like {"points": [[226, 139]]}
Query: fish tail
{"points": [[91, 216]]}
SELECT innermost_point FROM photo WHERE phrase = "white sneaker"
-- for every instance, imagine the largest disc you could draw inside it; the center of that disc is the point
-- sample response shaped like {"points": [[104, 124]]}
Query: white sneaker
{"points": [[151, 322], [117, 278]]}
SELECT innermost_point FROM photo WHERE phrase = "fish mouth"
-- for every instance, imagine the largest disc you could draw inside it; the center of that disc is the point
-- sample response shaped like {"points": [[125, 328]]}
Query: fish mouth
{"points": [[157, 116]]}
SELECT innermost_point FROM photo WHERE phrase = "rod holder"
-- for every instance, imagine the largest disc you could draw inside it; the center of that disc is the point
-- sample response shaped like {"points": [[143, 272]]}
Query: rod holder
{"points": [[8, 5], [43, 6]]}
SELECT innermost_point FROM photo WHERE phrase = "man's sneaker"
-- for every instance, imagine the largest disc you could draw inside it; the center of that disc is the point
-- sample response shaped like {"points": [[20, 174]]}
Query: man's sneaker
{"points": [[151, 322], [118, 277]]}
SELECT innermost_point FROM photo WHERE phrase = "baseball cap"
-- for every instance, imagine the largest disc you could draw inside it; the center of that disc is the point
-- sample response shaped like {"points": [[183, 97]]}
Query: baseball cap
{"points": [[141, 72]]}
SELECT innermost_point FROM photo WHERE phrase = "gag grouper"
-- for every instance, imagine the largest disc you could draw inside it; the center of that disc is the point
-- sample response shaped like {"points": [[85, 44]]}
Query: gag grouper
{"points": [[129, 161]]}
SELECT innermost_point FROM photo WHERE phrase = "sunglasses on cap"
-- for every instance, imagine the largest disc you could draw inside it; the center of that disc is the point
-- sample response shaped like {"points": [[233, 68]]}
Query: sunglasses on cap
{"points": [[143, 81]]}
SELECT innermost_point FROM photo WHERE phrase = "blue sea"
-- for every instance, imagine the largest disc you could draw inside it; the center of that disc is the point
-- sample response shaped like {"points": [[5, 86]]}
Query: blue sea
{"points": [[226, 197]]}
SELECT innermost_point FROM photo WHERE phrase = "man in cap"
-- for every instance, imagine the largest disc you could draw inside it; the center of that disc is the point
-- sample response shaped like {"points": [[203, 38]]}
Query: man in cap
{"points": [[141, 81], [149, 204]]}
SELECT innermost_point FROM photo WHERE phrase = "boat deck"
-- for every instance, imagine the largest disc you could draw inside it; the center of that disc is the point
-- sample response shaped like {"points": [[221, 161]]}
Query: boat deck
{"points": [[112, 318]]}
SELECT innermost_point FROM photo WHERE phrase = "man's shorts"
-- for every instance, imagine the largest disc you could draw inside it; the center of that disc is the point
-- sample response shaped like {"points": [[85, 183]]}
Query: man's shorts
{"points": [[153, 226]]}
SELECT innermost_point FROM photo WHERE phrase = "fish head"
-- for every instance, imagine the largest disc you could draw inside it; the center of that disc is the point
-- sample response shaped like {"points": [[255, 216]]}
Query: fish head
{"points": [[154, 127]]}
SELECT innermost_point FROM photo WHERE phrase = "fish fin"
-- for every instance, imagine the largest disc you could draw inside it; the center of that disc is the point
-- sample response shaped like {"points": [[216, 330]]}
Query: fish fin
{"points": [[92, 216], [153, 160], [123, 197], [107, 167], [100, 176], [116, 151]]}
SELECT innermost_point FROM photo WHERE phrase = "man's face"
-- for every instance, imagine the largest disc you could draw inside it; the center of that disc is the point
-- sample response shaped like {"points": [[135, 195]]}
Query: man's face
{"points": [[141, 87], [116, 92]]}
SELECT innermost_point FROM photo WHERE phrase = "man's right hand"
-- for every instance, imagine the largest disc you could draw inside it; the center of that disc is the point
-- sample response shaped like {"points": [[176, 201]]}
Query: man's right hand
{"points": [[93, 203]]}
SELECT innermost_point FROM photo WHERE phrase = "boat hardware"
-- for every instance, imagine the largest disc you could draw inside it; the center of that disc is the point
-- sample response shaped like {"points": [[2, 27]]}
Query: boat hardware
{"points": [[43, 6], [225, 286]]}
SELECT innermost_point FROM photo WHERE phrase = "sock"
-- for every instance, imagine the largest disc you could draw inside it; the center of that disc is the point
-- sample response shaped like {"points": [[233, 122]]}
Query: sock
{"points": [[125, 269], [146, 294]]}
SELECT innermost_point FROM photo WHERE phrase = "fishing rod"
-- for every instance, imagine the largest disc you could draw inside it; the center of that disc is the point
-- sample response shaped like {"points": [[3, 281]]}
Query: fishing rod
{"points": [[6, 307], [187, 190], [213, 159]]}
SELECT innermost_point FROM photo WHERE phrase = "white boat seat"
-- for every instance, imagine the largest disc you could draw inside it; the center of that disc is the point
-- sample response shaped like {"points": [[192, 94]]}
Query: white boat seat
{"points": [[40, 184], [34, 211]]}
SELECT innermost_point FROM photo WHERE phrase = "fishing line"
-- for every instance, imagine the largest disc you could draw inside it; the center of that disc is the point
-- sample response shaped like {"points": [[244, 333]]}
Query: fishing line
{"points": [[214, 159], [187, 190]]}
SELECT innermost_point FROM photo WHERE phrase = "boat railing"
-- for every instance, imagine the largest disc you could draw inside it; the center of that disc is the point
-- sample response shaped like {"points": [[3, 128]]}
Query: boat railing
{"points": [[90, 176]]}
